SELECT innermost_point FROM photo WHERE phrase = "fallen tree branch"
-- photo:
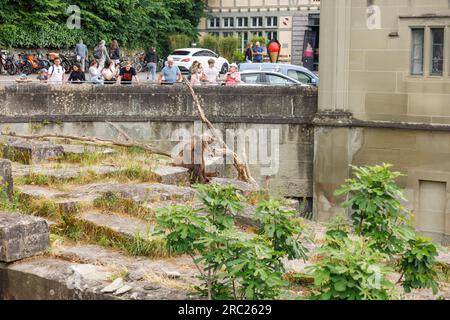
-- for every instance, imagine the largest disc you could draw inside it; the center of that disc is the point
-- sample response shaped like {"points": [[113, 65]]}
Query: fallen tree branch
{"points": [[240, 165], [97, 141], [123, 133]]}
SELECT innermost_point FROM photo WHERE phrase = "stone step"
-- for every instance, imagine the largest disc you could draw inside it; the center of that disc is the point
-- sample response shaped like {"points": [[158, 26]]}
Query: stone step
{"points": [[124, 226], [138, 268], [135, 236], [74, 149], [172, 175], [68, 172], [76, 281], [28, 151]]}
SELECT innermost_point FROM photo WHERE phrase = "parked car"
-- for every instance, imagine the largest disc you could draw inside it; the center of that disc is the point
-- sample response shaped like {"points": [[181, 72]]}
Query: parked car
{"points": [[184, 58], [295, 72], [269, 78]]}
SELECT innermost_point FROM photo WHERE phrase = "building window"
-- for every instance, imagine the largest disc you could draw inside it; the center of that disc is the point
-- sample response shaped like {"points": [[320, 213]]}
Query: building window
{"points": [[214, 34], [228, 22], [228, 34], [214, 23], [242, 22], [272, 21], [257, 22], [272, 35], [257, 34], [243, 36], [417, 51], [437, 51]]}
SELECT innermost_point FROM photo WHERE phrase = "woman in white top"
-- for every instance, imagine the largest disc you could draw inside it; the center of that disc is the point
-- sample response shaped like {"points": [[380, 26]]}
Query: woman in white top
{"points": [[212, 73], [109, 73], [197, 74], [94, 73]]}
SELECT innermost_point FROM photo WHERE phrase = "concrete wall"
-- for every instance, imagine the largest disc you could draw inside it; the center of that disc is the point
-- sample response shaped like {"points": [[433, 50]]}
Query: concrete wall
{"points": [[154, 113], [372, 110]]}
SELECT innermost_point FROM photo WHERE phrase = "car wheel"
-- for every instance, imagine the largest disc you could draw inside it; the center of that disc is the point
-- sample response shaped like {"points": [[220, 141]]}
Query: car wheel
{"points": [[224, 68]]}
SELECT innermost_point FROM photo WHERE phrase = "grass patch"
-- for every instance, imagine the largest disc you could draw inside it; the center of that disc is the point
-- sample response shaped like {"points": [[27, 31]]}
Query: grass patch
{"points": [[113, 202], [134, 172], [137, 246]]}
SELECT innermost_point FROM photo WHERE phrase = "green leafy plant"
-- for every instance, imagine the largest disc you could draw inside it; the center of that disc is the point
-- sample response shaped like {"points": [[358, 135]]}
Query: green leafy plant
{"points": [[228, 46], [351, 269], [279, 229], [374, 200], [418, 265], [232, 265]]}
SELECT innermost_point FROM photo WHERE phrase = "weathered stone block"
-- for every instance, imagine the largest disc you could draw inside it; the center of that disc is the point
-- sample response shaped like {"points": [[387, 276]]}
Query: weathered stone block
{"points": [[6, 178], [30, 151], [22, 236], [172, 175], [244, 187]]}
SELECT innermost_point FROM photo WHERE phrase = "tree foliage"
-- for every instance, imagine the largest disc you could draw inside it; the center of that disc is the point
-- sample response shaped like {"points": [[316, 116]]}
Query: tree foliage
{"points": [[134, 23]]}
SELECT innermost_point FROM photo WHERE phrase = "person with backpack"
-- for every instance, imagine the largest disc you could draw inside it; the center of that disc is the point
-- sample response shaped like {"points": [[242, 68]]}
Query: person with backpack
{"points": [[56, 72], [114, 52], [101, 54]]}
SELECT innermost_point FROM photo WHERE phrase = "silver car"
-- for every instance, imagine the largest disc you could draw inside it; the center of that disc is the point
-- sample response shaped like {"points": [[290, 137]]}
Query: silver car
{"points": [[268, 78]]}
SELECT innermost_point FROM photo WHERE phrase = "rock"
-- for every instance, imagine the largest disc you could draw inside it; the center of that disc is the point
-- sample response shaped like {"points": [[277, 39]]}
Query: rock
{"points": [[151, 287], [134, 296], [172, 175], [6, 178], [215, 166], [136, 275], [244, 187], [22, 236], [171, 274], [30, 151], [114, 286], [123, 290]]}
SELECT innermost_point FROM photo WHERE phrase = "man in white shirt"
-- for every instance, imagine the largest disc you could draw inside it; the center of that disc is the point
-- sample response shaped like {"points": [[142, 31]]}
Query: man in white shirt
{"points": [[56, 73], [212, 73]]}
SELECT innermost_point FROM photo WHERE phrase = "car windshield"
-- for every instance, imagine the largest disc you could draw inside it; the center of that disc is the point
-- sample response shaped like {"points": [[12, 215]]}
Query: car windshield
{"points": [[180, 53]]}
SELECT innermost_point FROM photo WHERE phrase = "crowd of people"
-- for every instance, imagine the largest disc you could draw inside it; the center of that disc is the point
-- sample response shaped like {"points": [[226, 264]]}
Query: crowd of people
{"points": [[107, 67]]}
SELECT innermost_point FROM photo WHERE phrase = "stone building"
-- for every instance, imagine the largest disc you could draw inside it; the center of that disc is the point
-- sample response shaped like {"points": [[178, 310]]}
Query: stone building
{"points": [[385, 97], [289, 21]]}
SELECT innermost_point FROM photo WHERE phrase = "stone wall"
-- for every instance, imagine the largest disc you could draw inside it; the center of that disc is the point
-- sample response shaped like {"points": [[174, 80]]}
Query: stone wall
{"points": [[154, 113]]}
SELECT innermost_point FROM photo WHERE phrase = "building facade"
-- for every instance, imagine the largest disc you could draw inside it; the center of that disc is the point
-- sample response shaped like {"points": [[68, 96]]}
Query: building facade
{"points": [[288, 21], [385, 98]]}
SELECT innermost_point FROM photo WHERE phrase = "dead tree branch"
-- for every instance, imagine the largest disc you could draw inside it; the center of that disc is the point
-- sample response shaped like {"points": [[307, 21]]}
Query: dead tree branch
{"points": [[240, 165]]}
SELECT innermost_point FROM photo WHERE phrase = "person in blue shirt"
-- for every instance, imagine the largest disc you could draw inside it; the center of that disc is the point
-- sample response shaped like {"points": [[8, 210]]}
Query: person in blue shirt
{"points": [[258, 52], [170, 73]]}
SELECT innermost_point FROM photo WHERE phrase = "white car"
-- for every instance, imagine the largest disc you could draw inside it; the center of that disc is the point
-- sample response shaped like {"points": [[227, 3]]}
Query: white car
{"points": [[184, 58]]}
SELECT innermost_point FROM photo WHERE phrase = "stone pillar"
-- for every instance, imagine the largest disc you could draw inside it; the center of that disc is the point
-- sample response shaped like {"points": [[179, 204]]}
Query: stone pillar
{"points": [[6, 179], [332, 143]]}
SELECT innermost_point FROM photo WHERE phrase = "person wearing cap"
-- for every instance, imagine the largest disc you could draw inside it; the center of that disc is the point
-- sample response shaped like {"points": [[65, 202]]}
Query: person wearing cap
{"points": [[233, 77], [170, 73], [43, 75]]}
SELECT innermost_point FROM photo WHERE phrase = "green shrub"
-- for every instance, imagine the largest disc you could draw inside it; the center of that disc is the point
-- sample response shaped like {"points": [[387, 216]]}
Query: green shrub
{"points": [[418, 265], [238, 57], [232, 265], [350, 269], [179, 41], [210, 42], [228, 46]]}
